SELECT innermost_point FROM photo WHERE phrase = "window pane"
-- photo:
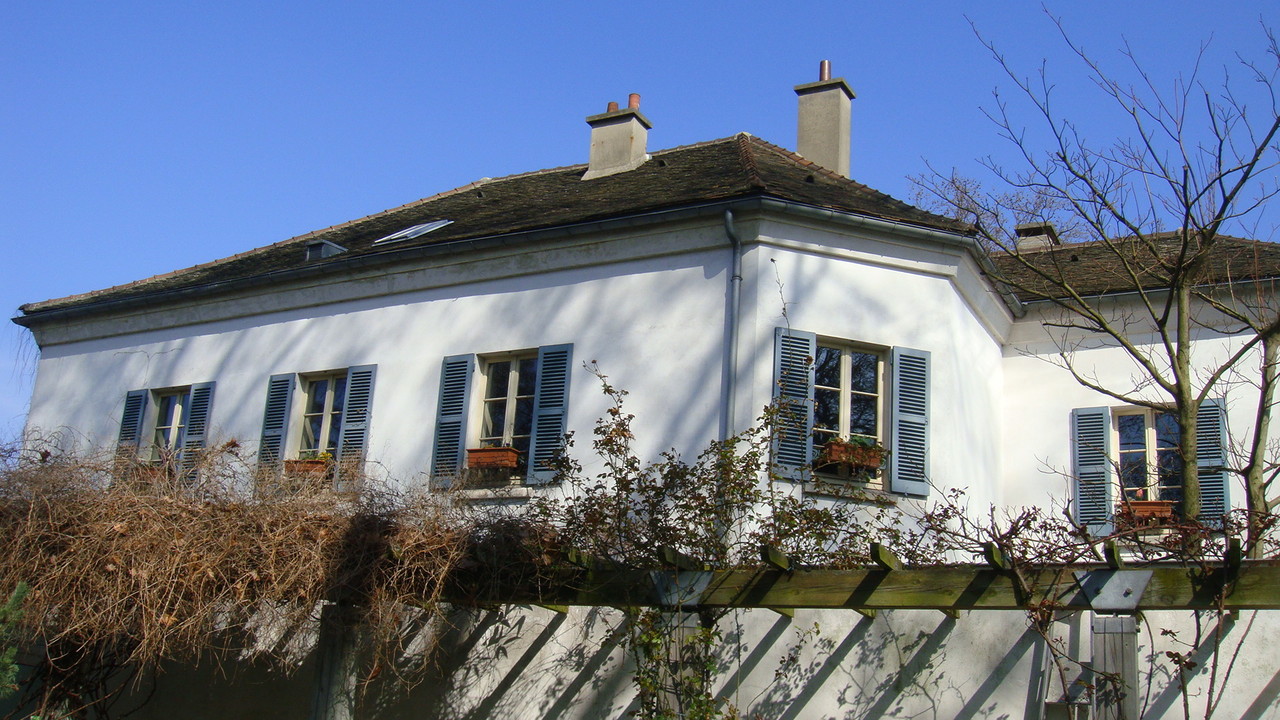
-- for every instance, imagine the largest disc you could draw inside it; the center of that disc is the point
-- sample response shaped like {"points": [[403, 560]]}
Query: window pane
{"points": [[310, 431], [524, 416], [528, 377], [495, 417], [339, 393], [863, 368], [498, 379], [167, 405], [1133, 432], [1166, 431], [1133, 475], [316, 392], [862, 415], [827, 369], [335, 429], [827, 410], [1169, 467]]}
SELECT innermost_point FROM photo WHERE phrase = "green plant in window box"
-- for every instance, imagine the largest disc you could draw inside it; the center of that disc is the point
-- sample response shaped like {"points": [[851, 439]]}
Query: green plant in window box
{"points": [[311, 463], [862, 455]]}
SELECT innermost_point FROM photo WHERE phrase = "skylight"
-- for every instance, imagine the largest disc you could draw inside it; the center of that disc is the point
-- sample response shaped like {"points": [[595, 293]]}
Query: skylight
{"points": [[413, 232]]}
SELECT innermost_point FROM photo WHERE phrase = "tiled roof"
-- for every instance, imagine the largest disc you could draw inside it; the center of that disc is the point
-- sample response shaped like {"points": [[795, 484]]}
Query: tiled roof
{"points": [[1101, 268], [736, 167]]}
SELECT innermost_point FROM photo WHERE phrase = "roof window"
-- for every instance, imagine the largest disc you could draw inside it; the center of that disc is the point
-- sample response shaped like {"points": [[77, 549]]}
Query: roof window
{"points": [[413, 232], [320, 249]]}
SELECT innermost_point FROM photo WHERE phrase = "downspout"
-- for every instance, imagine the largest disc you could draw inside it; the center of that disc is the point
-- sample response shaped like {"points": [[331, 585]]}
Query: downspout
{"points": [[731, 334]]}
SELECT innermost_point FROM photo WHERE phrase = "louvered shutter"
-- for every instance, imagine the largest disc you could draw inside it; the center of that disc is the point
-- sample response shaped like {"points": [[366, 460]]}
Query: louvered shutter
{"points": [[135, 406], [451, 418], [909, 453], [1211, 460], [353, 434], [1091, 468], [275, 420], [199, 407], [550, 409], [793, 363]]}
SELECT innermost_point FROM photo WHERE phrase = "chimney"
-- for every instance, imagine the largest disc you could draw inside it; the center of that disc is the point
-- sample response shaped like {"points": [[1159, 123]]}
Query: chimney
{"points": [[1035, 235], [825, 110], [618, 139]]}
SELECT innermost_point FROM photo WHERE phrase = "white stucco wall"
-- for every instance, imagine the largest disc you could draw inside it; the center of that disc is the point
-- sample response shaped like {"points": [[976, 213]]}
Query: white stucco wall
{"points": [[1039, 395]]}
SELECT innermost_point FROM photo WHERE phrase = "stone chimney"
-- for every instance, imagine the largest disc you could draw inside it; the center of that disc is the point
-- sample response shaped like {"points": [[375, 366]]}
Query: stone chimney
{"points": [[618, 139], [1036, 235], [825, 110]]}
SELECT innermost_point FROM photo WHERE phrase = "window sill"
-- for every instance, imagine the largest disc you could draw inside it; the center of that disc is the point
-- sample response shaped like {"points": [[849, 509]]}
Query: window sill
{"points": [[850, 490], [489, 494]]}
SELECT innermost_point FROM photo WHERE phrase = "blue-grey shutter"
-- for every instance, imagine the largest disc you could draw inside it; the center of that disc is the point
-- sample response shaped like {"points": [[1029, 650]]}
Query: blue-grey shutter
{"points": [[1211, 461], [1092, 468], [135, 406], [451, 418], [275, 419], [793, 363], [353, 434], [909, 453], [199, 406], [550, 409]]}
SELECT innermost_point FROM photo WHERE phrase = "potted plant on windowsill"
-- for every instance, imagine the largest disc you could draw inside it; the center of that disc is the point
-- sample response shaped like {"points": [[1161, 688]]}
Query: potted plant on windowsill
{"points": [[310, 463], [1143, 513], [497, 456], [859, 454]]}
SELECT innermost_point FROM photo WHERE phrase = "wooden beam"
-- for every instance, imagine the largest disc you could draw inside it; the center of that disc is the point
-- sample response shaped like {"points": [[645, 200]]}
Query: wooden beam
{"points": [[884, 557], [774, 558], [1111, 552], [995, 557], [679, 560], [1256, 586]]}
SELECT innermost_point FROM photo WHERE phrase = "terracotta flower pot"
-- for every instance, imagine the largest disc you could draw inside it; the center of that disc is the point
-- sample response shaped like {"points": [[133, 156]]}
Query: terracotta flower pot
{"points": [[493, 457], [865, 457]]}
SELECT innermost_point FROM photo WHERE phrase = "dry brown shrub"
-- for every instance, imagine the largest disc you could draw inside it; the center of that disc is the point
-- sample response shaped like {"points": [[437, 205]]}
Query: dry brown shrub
{"points": [[141, 566]]}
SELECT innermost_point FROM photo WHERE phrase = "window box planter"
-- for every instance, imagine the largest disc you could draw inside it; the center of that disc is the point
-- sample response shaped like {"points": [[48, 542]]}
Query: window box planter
{"points": [[1145, 513], [864, 456], [493, 457], [310, 467]]}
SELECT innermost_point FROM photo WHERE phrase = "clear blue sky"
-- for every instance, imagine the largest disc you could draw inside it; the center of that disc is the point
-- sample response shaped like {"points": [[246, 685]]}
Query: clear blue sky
{"points": [[137, 138]]}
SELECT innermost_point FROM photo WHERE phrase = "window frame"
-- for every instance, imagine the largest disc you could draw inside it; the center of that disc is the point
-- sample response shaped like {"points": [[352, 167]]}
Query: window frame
{"points": [[511, 400], [285, 414], [330, 419], [845, 392], [459, 412], [168, 449], [1154, 486], [906, 402]]}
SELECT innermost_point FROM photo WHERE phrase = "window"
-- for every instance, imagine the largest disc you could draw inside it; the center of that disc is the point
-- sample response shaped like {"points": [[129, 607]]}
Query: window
{"points": [[322, 414], [521, 402], [1148, 456], [847, 394], [171, 418], [507, 415], [331, 414], [1128, 454], [175, 420], [827, 389]]}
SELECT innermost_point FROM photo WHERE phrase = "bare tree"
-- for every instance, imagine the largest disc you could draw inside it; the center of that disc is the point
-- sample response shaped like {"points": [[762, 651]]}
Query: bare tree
{"points": [[1151, 262]]}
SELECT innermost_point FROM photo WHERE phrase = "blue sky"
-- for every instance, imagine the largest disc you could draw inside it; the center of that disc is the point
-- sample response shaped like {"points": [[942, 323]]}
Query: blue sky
{"points": [[137, 138]]}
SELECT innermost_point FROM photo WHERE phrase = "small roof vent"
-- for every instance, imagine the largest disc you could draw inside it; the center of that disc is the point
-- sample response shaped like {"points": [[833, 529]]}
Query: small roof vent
{"points": [[413, 232], [321, 249]]}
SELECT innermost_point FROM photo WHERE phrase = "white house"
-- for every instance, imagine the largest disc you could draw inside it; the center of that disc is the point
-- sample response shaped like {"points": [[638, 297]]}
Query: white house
{"points": [[704, 279]]}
